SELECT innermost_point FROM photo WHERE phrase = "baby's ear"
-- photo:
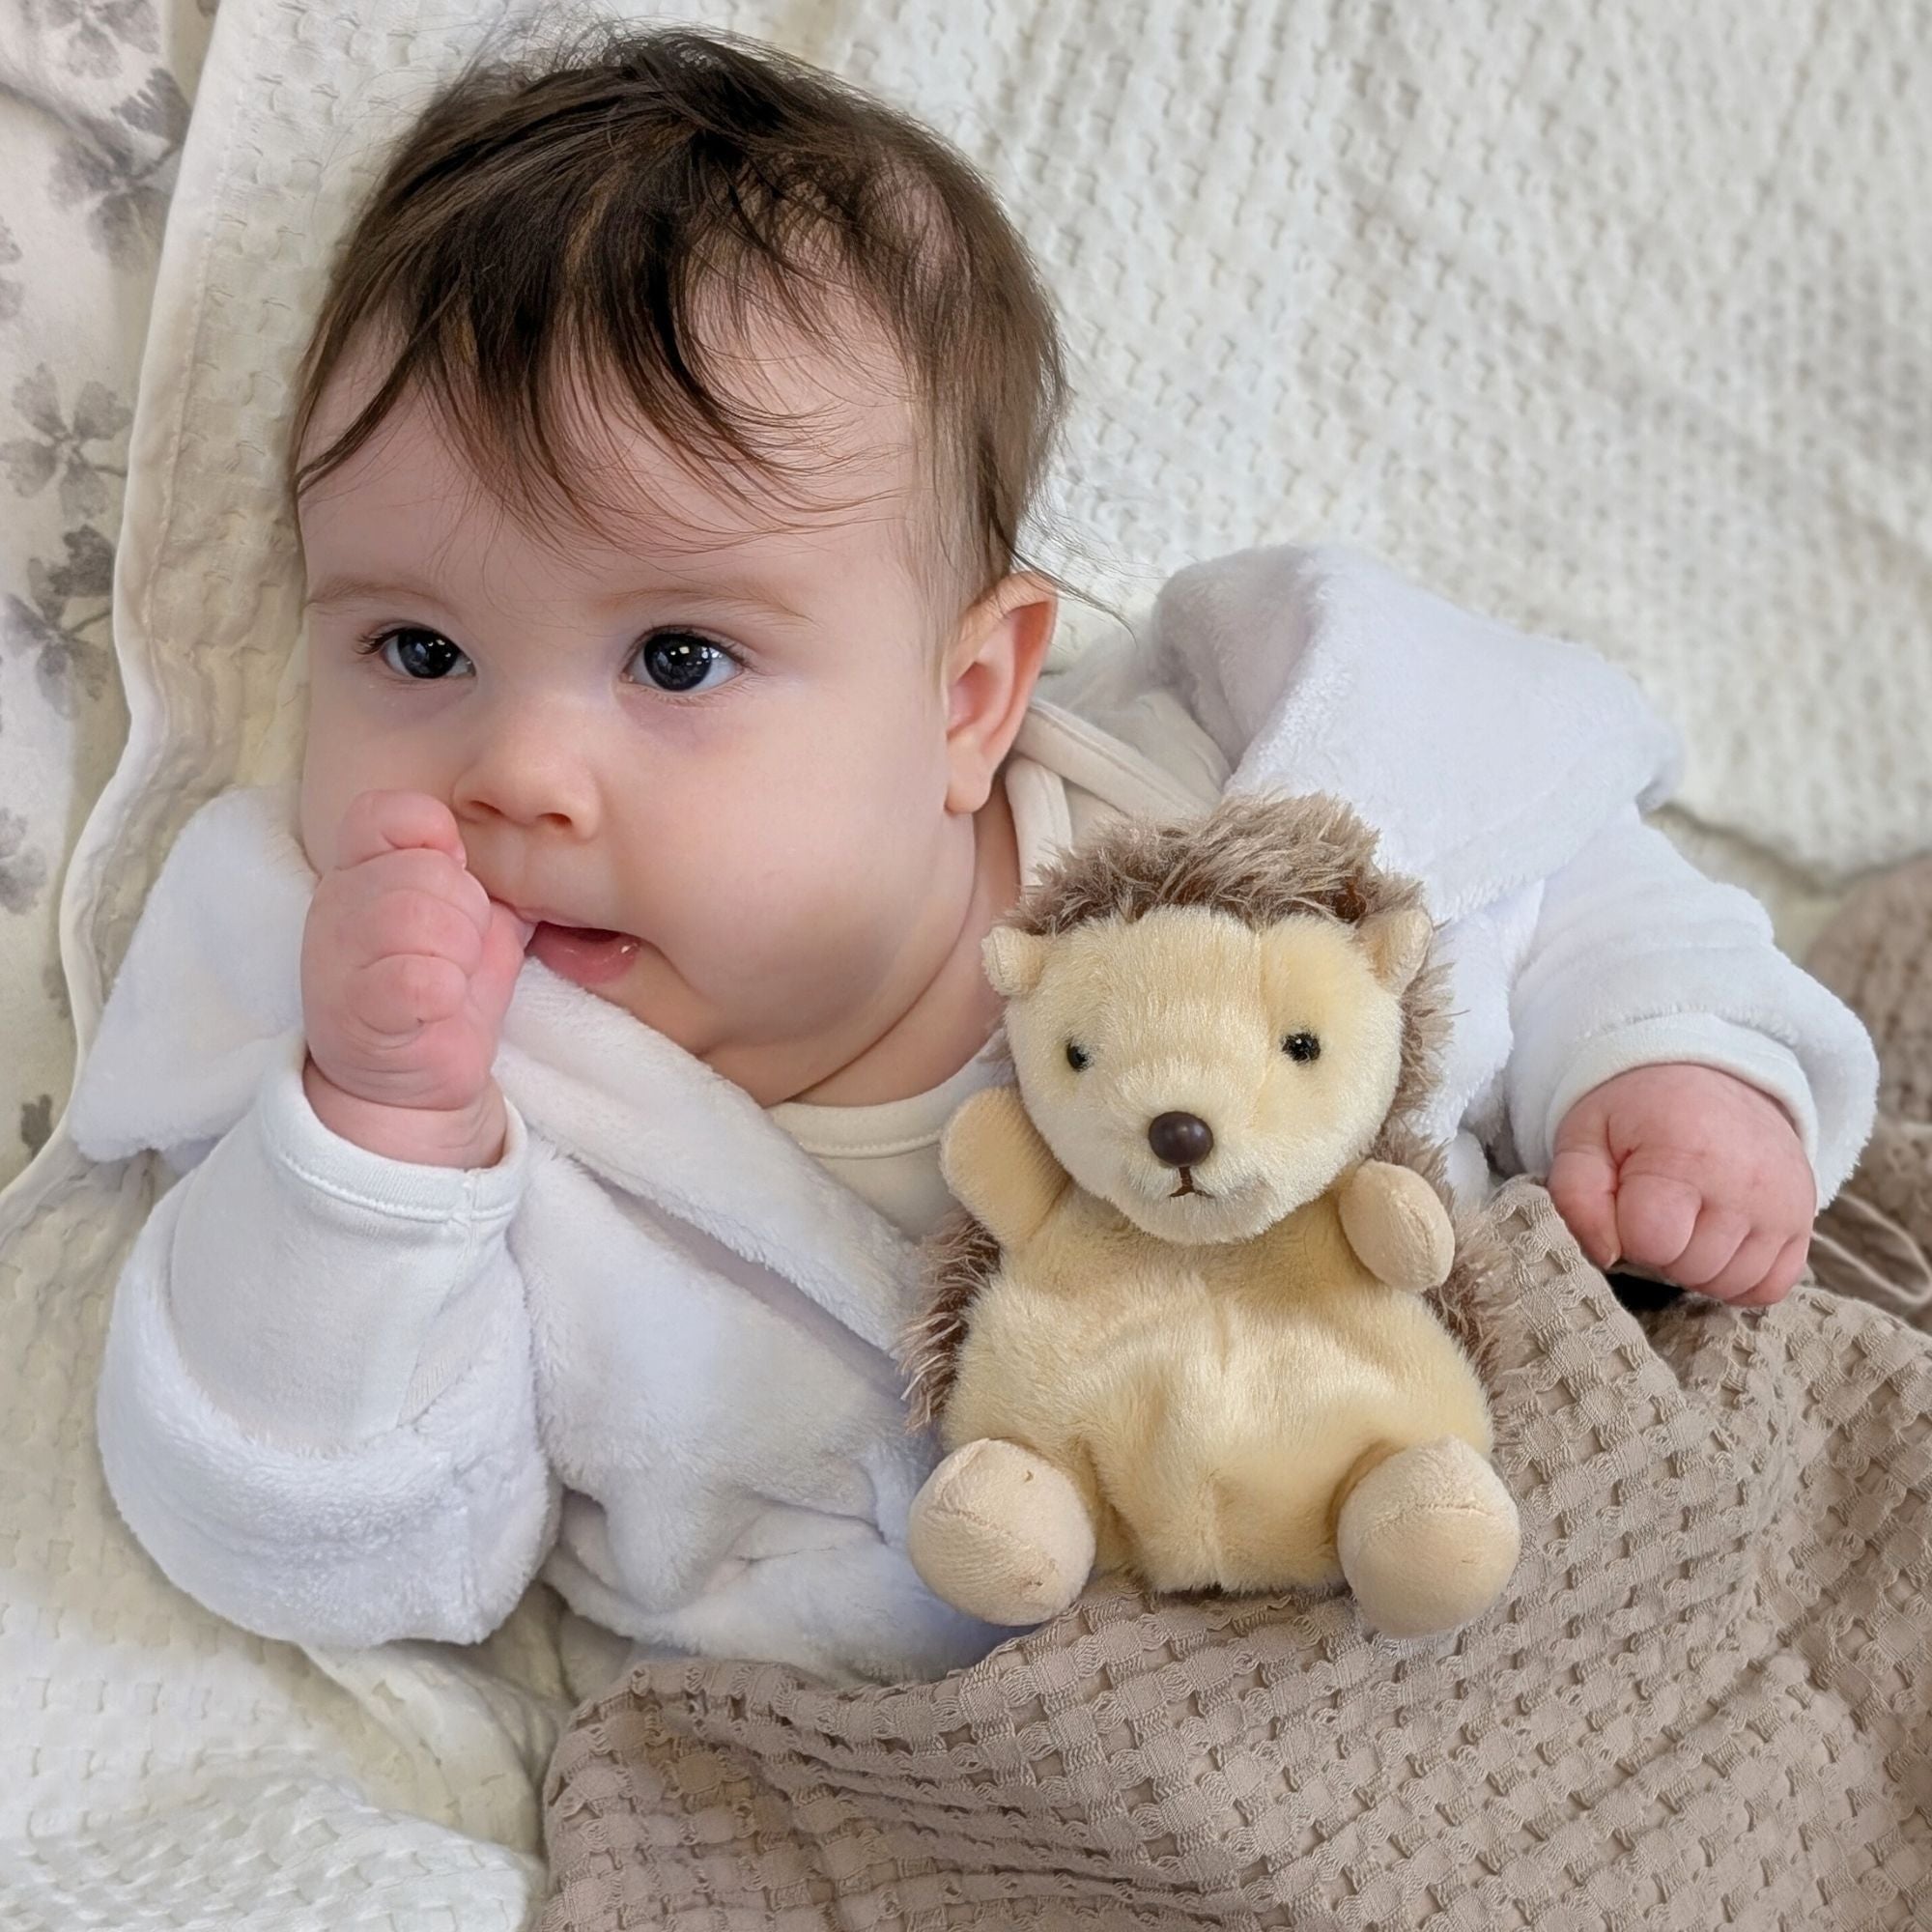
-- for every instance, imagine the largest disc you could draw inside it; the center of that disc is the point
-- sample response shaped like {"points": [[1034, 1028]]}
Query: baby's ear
{"points": [[1396, 944], [1014, 961]]}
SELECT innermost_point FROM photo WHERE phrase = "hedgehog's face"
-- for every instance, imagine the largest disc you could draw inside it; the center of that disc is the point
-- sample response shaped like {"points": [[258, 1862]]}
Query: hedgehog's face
{"points": [[1205, 1077]]}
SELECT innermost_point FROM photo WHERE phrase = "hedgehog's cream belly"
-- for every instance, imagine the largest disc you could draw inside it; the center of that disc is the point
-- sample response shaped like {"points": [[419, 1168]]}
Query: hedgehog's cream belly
{"points": [[1209, 1401]]}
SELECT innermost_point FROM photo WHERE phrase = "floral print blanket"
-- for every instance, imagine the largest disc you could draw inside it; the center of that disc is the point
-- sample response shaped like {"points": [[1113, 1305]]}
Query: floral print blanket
{"points": [[93, 106]]}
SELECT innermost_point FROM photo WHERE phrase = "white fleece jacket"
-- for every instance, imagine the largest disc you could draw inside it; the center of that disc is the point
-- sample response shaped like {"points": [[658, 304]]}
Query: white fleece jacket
{"points": [[648, 1354]]}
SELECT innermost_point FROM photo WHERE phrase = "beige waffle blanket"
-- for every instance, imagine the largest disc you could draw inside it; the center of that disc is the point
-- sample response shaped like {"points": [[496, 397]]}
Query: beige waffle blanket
{"points": [[1705, 1700], [1875, 1239]]}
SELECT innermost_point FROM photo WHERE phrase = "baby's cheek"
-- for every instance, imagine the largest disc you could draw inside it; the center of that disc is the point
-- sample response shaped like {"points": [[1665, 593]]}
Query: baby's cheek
{"points": [[336, 769], [812, 923], [319, 819]]}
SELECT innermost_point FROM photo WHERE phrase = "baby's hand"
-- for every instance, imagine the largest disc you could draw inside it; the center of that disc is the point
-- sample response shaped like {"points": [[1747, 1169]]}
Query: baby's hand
{"points": [[1691, 1172], [406, 973]]}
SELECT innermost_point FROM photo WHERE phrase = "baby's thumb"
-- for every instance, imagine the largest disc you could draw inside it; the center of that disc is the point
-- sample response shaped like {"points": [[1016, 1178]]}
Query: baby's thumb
{"points": [[1583, 1184], [502, 961]]}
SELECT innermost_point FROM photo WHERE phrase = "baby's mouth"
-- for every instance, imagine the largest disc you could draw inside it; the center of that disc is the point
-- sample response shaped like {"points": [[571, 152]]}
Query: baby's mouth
{"points": [[587, 955]]}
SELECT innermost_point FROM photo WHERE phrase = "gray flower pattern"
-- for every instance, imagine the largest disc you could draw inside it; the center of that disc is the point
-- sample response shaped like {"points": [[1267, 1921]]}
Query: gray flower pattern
{"points": [[53, 984], [124, 168], [90, 34], [36, 1122], [60, 443], [100, 122], [64, 656], [23, 871], [11, 292]]}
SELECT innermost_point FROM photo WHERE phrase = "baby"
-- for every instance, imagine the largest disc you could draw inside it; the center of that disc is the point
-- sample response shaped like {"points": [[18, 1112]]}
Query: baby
{"points": [[558, 1128]]}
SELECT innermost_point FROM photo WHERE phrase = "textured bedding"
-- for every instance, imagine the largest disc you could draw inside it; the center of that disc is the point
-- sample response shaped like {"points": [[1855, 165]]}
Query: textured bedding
{"points": [[1704, 1699], [1429, 279]]}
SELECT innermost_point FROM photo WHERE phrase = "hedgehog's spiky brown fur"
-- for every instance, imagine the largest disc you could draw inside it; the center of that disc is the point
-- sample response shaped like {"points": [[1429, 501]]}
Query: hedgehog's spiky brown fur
{"points": [[1259, 860], [959, 1258]]}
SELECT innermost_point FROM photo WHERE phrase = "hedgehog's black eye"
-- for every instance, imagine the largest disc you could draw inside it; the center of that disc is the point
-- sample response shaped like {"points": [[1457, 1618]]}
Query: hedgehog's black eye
{"points": [[1301, 1046], [1076, 1056]]}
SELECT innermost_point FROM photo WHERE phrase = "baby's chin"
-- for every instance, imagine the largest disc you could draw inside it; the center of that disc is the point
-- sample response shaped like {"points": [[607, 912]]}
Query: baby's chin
{"points": [[631, 974], [628, 972]]}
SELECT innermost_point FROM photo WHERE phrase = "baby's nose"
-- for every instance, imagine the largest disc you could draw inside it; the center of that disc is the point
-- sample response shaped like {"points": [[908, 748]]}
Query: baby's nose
{"points": [[1180, 1140], [530, 767]]}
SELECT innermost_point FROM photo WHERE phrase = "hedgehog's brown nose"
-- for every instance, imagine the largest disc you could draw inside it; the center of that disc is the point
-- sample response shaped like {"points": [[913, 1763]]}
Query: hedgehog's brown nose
{"points": [[1180, 1140]]}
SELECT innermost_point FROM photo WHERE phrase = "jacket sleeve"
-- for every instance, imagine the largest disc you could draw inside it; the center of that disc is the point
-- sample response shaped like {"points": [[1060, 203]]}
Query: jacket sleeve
{"points": [[1639, 958], [316, 1407]]}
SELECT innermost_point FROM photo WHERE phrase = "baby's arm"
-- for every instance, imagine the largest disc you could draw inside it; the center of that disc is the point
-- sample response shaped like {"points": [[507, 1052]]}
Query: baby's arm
{"points": [[1656, 1024], [316, 1407]]}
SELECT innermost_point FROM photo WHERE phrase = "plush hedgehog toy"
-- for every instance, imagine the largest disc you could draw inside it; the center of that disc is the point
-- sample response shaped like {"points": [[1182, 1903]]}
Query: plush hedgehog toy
{"points": [[1191, 1323]]}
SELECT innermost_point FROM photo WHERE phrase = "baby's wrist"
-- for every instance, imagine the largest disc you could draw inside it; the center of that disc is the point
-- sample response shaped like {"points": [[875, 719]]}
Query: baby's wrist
{"points": [[469, 1136]]}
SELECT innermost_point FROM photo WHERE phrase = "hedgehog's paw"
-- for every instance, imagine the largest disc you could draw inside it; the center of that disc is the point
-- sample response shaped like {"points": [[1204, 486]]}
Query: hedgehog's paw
{"points": [[1002, 1534], [1427, 1538]]}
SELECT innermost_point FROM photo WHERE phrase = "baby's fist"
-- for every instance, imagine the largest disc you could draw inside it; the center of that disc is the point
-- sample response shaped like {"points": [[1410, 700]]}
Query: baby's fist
{"points": [[1690, 1173], [407, 970]]}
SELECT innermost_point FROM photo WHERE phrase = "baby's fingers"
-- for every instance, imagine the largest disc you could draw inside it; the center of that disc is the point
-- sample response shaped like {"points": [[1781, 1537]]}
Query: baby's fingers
{"points": [[410, 922], [1657, 1216], [396, 821], [501, 950], [1785, 1273], [399, 995], [349, 894], [1746, 1268], [1716, 1238], [1582, 1183]]}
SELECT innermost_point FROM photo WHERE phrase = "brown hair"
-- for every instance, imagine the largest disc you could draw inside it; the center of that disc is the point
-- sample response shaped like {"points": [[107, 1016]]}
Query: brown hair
{"points": [[581, 212]]}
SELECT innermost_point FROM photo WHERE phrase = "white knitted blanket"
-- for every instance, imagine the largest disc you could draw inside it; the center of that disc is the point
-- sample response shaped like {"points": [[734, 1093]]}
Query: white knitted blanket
{"points": [[1615, 322]]}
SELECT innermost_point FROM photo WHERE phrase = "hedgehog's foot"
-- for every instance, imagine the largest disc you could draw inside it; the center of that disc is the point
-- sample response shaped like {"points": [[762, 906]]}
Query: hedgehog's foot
{"points": [[1002, 1534], [1427, 1537]]}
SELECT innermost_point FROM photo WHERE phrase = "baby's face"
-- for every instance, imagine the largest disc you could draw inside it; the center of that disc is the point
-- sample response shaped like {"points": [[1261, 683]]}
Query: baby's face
{"points": [[707, 752]]}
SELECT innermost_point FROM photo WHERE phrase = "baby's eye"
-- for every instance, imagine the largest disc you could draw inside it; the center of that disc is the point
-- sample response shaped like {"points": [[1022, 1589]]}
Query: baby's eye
{"points": [[419, 654], [683, 661]]}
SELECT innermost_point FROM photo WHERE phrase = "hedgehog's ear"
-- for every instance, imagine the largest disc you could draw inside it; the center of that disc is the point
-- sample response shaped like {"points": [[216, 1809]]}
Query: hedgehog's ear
{"points": [[1396, 944], [1014, 961]]}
